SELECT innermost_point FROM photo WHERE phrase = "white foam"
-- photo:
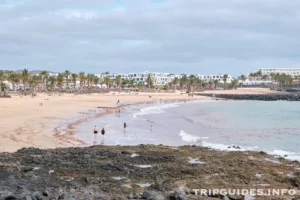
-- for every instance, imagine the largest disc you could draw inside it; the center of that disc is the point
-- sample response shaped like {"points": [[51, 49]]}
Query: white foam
{"points": [[286, 154], [195, 161], [36, 168], [154, 109], [259, 175], [143, 166], [191, 138], [251, 158], [273, 161], [134, 155], [118, 178], [249, 197], [224, 147], [263, 185], [281, 153], [127, 186], [143, 185]]}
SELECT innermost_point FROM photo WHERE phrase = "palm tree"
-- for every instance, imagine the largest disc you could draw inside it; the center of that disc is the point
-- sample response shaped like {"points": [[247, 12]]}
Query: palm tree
{"points": [[225, 76], [210, 83], [272, 75], [15, 79], [3, 88], [90, 79], [96, 80], [33, 81], [107, 81], [149, 80], [2, 76], [67, 75], [191, 84], [199, 82], [74, 79], [264, 77], [234, 83], [175, 82], [216, 83], [139, 85], [60, 80], [44, 75], [183, 80], [52, 82], [82, 78], [118, 81], [242, 77], [258, 73], [25, 76]]}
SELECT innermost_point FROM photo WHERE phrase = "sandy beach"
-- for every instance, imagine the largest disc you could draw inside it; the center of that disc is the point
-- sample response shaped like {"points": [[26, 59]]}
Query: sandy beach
{"points": [[25, 123]]}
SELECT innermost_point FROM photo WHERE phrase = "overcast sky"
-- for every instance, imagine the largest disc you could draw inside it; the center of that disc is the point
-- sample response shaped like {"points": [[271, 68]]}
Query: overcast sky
{"points": [[177, 36]]}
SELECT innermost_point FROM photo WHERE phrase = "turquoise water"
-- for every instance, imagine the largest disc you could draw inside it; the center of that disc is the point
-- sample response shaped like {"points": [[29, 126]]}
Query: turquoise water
{"points": [[273, 127]]}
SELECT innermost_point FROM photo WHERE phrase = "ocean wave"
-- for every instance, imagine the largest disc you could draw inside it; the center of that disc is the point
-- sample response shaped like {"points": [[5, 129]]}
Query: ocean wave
{"points": [[191, 138], [154, 109], [286, 154], [224, 147]]}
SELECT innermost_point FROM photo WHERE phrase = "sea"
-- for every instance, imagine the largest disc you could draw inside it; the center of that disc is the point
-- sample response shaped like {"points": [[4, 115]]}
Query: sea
{"points": [[273, 127]]}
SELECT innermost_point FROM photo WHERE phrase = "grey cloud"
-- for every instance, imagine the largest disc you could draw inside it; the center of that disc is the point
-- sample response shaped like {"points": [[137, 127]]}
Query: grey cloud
{"points": [[199, 36]]}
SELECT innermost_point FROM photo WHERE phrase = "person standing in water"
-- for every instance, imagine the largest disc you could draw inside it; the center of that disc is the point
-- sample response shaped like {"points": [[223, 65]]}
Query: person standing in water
{"points": [[125, 126], [103, 133], [95, 130]]}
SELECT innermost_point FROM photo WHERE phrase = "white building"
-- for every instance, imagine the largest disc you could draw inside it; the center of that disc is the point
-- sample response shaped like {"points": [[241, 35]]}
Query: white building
{"points": [[157, 78], [289, 71], [207, 78]]}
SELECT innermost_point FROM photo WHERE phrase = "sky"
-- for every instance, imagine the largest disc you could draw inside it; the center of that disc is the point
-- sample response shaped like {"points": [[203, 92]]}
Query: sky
{"points": [[124, 36]]}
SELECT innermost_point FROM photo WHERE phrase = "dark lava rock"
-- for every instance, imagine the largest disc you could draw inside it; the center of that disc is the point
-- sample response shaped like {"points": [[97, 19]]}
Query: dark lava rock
{"points": [[225, 198], [10, 197], [61, 197], [27, 169], [45, 193], [180, 197], [235, 197], [259, 97], [152, 195]]}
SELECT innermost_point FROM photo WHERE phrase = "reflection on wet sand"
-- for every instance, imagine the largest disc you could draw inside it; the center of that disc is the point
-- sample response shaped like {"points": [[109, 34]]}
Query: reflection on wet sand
{"points": [[102, 140]]}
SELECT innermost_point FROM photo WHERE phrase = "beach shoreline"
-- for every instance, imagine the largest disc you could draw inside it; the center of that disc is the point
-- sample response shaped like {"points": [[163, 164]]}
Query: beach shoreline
{"points": [[26, 123]]}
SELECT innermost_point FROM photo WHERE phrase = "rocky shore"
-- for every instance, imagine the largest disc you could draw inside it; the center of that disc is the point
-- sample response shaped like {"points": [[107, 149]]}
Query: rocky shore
{"points": [[140, 172], [259, 97]]}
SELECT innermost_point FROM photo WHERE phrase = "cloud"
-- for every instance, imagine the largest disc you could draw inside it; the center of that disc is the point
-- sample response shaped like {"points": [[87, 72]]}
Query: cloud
{"points": [[179, 36]]}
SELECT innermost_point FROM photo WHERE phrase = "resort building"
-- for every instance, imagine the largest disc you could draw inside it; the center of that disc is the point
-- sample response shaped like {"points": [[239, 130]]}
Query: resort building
{"points": [[289, 71], [207, 78], [157, 78]]}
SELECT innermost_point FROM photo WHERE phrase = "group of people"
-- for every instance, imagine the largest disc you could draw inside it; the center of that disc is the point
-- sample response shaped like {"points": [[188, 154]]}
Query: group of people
{"points": [[96, 130], [103, 129]]}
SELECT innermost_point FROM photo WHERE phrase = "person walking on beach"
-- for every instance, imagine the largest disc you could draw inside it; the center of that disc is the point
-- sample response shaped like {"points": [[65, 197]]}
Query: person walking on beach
{"points": [[125, 126], [103, 133], [95, 130]]}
